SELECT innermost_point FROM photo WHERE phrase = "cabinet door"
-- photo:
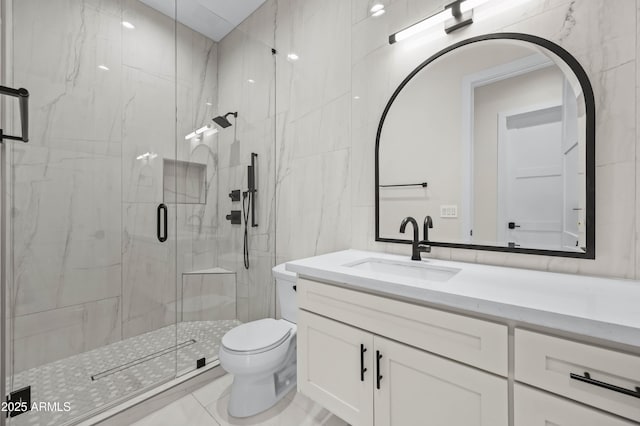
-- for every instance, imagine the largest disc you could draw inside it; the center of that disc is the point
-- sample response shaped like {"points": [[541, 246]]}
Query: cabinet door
{"points": [[537, 408], [331, 360], [421, 389]]}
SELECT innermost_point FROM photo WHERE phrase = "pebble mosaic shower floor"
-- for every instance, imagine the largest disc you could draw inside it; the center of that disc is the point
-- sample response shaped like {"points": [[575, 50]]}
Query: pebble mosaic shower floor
{"points": [[118, 369]]}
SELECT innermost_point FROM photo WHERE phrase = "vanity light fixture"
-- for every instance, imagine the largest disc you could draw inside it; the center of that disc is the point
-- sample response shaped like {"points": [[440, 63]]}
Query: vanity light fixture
{"points": [[455, 15]]}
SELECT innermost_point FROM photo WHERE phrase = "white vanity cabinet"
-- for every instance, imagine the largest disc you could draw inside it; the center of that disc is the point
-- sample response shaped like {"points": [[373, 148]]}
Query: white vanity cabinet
{"points": [[488, 346], [348, 363]]}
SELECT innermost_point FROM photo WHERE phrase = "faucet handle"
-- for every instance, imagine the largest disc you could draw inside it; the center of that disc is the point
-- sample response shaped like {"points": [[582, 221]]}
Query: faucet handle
{"points": [[424, 247], [428, 224]]}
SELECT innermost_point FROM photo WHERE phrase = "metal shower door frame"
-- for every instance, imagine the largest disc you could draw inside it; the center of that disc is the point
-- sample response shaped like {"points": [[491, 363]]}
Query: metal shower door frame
{"points": [[5, 71]]}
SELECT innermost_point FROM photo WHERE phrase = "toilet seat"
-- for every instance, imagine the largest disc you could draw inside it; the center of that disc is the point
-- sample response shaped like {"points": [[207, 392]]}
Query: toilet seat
{"points": [[257, 336]]}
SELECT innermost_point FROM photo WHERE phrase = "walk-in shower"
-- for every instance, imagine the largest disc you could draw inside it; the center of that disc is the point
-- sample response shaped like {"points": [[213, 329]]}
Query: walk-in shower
{"points": [[120, 270]]}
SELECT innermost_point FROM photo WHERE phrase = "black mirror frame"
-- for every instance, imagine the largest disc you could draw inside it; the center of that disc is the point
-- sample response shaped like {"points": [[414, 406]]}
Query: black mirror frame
{"points": [[583, 79]]}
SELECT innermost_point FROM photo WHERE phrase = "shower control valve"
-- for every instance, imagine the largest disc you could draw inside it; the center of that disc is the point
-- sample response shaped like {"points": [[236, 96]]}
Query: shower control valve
{"points": [[235, 217]]}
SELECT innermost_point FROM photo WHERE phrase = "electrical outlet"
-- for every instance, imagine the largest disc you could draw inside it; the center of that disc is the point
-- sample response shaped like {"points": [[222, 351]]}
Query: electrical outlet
{"points": [[449, 211]]}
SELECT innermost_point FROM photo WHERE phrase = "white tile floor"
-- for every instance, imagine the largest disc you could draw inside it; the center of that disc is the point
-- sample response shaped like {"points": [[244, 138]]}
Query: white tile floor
{"points": [[207, 406]]}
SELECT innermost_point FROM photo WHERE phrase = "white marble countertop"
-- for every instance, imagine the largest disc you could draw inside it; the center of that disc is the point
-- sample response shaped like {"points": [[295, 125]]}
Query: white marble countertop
{"points": [[598, 307]]}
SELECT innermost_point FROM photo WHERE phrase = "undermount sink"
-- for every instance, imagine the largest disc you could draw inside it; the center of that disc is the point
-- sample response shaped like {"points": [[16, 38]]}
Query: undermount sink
{"points": [[418, 270]]}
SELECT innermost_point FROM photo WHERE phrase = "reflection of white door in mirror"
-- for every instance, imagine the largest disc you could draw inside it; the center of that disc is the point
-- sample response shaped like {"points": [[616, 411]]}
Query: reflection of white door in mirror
{"points": [[573, 235], [530, 178], [509, 85]]}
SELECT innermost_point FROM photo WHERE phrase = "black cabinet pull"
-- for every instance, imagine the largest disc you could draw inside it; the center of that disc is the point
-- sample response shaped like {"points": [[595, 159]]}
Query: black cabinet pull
{"points": [[162, 223], [587, 379], [362, 367], [379, 377]]}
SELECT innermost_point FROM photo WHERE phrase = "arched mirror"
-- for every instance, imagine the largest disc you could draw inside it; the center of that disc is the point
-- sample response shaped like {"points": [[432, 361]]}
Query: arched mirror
{"points": [[494, 138]]}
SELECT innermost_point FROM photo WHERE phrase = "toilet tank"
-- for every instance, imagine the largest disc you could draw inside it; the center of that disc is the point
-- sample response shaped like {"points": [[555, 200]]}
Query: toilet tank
{"points": [[285, 281]]}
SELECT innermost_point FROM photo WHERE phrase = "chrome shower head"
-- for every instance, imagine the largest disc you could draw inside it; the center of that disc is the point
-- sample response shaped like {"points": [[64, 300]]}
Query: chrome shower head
{"points": [[222, 121]]}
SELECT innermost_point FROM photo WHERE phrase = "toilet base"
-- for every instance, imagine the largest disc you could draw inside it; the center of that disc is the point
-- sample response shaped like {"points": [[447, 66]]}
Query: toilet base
{"points": [[252, 394]]}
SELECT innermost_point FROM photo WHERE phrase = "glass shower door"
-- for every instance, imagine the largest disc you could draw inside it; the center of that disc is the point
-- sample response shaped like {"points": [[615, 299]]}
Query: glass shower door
{"points": [[92, 229]]}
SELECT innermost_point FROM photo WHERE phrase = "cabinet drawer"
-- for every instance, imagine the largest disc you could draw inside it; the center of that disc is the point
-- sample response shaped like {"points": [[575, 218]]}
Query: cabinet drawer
{"points": [[474, 342], [537, 408], [548, 362]]}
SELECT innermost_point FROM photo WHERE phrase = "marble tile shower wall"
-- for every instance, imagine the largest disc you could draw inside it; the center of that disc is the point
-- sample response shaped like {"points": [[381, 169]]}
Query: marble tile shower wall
{"points": [[88, 269], [246, 84], [326, 136]]}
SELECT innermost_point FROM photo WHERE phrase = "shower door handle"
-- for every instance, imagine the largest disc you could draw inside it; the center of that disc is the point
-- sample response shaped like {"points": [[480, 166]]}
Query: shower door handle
{"points": [[162, 223], [23, 96]]}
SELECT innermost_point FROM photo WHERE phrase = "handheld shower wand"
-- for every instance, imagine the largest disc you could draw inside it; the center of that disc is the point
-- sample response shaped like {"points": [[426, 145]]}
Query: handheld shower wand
{"points": [[250, 197]]}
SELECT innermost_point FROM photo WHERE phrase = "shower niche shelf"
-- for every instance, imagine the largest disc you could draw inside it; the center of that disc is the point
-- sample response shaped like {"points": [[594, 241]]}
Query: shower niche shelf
{"points": [[184, 182]]}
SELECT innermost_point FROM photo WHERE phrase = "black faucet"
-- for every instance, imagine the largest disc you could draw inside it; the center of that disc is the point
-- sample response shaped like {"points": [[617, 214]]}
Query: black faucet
{"points": [[417, 246]]}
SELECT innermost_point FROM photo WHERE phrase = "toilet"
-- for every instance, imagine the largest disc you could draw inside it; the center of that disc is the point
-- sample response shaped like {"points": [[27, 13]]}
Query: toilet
{"points": [[261, 354]]}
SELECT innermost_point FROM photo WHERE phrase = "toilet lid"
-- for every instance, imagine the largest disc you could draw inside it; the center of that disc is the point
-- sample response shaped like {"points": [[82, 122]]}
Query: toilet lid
{"points": [[256, 335]]}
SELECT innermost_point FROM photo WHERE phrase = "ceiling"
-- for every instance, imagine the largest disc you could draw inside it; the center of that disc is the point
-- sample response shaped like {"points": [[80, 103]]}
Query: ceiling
{"points": [[213, 18]]}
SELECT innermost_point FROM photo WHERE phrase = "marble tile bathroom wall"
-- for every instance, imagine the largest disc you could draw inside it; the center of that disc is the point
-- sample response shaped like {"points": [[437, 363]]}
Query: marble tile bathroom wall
{"points": [[208, 297], [65, 332], [314, 189], [246, 84]]}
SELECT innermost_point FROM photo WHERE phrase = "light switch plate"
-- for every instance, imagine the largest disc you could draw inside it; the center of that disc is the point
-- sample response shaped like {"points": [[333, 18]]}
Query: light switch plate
{"points": [[449, 211]]}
